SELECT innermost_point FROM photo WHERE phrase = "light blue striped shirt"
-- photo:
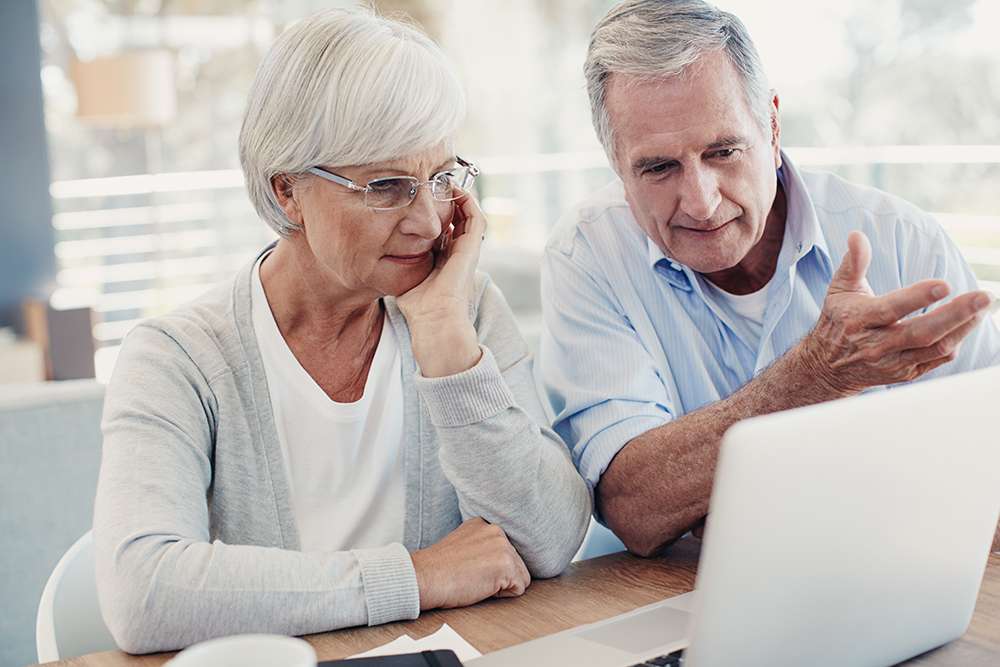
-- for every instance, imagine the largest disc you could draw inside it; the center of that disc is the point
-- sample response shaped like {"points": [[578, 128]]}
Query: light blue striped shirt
{"points": [[632, 338]]}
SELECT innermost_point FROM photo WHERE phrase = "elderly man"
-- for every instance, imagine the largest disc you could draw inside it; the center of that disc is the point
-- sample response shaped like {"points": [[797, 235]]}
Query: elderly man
{"points": [[703, 287]]}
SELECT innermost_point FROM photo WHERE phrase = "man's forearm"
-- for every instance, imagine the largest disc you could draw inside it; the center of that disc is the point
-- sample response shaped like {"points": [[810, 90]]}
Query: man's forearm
{"points": [[658, 486]]}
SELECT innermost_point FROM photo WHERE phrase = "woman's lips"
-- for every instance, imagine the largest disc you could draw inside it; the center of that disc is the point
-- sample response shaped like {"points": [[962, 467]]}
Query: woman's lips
{"points": [[410, 259]]}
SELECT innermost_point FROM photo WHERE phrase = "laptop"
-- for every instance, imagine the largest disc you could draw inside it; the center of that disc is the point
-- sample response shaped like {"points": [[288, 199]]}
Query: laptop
{"points": [[849, 533]]}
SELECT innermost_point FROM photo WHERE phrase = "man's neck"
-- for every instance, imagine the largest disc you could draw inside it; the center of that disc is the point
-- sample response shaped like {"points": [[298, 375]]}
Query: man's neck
{"points": [[757, 268]]}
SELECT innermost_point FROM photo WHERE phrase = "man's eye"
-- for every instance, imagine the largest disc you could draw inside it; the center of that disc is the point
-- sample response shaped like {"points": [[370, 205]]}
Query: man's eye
{"points": [[725, 152], [657, 169]]}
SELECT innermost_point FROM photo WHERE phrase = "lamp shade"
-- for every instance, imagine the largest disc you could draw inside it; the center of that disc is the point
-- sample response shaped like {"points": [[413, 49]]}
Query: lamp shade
{"points": [[134, 89]]}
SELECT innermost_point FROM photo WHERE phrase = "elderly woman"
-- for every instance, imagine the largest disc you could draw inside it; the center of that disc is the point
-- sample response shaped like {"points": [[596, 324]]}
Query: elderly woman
{"points": [[347, 432]]}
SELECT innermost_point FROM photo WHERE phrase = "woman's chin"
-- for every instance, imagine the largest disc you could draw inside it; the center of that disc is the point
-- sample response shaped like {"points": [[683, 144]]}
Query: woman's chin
{"points": [[412, 280]]}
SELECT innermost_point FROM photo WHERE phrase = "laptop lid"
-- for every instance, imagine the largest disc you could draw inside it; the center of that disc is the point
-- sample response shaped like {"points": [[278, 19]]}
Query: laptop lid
{"points": [[854, 532]]}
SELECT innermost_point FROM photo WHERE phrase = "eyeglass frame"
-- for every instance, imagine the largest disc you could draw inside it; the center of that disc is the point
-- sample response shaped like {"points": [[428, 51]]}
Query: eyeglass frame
{"points": [[341, 180]]}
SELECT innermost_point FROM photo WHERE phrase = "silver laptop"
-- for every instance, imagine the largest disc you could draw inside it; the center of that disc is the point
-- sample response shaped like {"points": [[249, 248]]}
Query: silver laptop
{"points": [[849, 533]]}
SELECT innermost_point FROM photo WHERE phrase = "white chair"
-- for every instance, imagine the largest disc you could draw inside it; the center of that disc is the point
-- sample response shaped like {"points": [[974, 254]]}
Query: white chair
{"points": [[598, 541], [69, 622]]}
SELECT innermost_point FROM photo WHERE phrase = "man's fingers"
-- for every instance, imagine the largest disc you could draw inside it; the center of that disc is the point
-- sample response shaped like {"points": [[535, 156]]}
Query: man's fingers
{"points": [[850, 277], [863, 341], [948, 324], [937, 351], [884, 310], [858, 257], [921, 344]]}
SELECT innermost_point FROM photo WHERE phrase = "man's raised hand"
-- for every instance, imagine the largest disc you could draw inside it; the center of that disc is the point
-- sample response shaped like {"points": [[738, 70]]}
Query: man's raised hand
{"points": [[862, 340]]}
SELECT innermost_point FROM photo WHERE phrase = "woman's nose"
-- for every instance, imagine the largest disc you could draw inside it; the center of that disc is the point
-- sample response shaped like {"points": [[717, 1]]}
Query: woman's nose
{"points": [[424, 214]]}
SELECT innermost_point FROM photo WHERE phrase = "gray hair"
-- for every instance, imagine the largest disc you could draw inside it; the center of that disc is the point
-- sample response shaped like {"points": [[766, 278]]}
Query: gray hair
{"points": [[655, 39], [344, 87]]}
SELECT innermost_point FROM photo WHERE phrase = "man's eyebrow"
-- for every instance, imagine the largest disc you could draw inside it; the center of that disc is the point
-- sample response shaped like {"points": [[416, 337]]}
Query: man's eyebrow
{"points": [[644, 163], [725, 142]]}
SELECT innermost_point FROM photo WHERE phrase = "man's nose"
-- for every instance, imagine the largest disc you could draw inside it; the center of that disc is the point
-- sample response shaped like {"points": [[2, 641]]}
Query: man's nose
{"points": [[700, 196]]}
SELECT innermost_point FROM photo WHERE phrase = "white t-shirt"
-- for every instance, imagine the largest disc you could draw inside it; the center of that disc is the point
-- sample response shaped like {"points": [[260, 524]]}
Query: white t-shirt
{"points": [[748, 308], [344, 460]]}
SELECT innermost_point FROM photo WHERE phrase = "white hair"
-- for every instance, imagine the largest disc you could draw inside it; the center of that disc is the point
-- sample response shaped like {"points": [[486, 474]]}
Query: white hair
{"points": [[344, 87], [654, 39]]}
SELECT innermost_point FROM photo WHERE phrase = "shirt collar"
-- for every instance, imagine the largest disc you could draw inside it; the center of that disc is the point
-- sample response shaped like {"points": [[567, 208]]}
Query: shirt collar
{"points": [[802, 231], [677, 274]]}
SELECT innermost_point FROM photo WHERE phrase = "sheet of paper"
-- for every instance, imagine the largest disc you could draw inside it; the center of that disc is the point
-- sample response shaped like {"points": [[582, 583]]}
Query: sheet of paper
{"points": [[444, 638]]}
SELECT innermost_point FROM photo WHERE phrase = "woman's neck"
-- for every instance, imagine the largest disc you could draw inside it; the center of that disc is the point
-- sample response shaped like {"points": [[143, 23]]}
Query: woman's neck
{"points": [[333, 334]]}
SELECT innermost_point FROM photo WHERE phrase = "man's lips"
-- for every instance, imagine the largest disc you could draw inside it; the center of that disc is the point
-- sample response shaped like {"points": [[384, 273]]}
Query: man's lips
{"points": [[706, 230]]}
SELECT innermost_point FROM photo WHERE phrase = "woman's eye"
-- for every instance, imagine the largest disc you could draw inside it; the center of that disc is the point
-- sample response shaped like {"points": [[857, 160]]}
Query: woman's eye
{"points": [[392, 187]]}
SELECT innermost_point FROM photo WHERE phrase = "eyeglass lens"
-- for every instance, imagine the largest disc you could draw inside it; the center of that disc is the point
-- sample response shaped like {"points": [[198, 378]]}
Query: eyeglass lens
{"points": [[396, 192]]}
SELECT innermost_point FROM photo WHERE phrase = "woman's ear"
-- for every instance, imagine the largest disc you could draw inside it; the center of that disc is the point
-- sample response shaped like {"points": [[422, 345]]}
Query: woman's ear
{"points": [[286, 192]]}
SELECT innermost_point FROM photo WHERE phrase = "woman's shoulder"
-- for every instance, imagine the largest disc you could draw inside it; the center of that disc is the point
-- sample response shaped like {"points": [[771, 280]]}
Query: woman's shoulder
{"points": [[204, 333], [211, 312]]}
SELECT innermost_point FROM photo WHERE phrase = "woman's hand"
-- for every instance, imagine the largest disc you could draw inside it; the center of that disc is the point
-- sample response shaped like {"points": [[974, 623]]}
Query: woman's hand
{"points": [[437, 310], [471, 563]]}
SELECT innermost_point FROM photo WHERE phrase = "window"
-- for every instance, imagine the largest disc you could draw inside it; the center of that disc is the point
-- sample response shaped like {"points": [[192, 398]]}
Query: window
{"points": [[899, 94]]}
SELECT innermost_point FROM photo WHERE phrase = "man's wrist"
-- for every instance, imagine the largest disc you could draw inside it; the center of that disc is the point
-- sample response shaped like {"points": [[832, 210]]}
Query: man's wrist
{"points": [[809, 377]]}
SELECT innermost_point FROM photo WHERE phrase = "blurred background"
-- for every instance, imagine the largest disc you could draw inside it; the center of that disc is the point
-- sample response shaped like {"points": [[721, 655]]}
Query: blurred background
{"points": [[130, 200]]}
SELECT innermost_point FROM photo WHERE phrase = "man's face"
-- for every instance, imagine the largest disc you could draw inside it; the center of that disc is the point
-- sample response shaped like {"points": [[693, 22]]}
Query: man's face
{"points": [[699, 172]]}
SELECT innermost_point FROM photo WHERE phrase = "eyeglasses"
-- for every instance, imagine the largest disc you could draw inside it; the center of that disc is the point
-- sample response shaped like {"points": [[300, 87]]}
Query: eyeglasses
{"points": [[384, 194]]}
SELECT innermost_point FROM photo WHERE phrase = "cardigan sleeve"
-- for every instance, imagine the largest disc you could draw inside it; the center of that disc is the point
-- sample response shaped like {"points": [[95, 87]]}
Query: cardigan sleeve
{"points": [[497, 449]]}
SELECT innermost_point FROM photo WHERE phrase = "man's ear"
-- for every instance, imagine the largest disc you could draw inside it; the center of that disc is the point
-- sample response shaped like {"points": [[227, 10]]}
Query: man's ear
{"points": [[286, 192], [775, 129]]}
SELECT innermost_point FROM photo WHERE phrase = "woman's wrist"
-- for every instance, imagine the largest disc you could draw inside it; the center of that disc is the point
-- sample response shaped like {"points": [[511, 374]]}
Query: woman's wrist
{"points": [[445, 348]]}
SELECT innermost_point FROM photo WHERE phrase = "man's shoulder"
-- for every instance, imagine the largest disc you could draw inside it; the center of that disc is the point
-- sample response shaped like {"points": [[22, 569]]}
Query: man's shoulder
{"points": [[604, 209], [834, 195]]}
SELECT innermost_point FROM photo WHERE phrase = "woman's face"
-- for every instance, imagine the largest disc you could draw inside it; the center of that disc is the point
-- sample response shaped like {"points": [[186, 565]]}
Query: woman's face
{"points": [[370, 253]]}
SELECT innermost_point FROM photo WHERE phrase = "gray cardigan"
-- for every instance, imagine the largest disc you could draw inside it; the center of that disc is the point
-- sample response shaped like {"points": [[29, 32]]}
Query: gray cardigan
{"points": [[193, 526]]}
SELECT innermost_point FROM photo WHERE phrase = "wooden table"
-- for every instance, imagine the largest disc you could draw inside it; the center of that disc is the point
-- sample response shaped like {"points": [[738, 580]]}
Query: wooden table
{"points": [[589, 591]]}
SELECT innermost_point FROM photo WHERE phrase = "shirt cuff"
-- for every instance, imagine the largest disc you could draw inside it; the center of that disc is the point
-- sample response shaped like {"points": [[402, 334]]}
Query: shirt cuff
{"points": [[468, 397], [390, 584]]}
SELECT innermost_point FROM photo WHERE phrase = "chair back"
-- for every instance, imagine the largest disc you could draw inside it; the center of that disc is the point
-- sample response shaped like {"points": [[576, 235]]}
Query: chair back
{"points": [[597, 542], [50, 454], [69, 622]]}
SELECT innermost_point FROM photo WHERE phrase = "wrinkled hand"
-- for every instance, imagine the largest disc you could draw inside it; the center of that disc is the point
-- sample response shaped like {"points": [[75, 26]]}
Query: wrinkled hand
{"points": [[446, 291], [437, 310], [861, 340], [472, 563]]}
